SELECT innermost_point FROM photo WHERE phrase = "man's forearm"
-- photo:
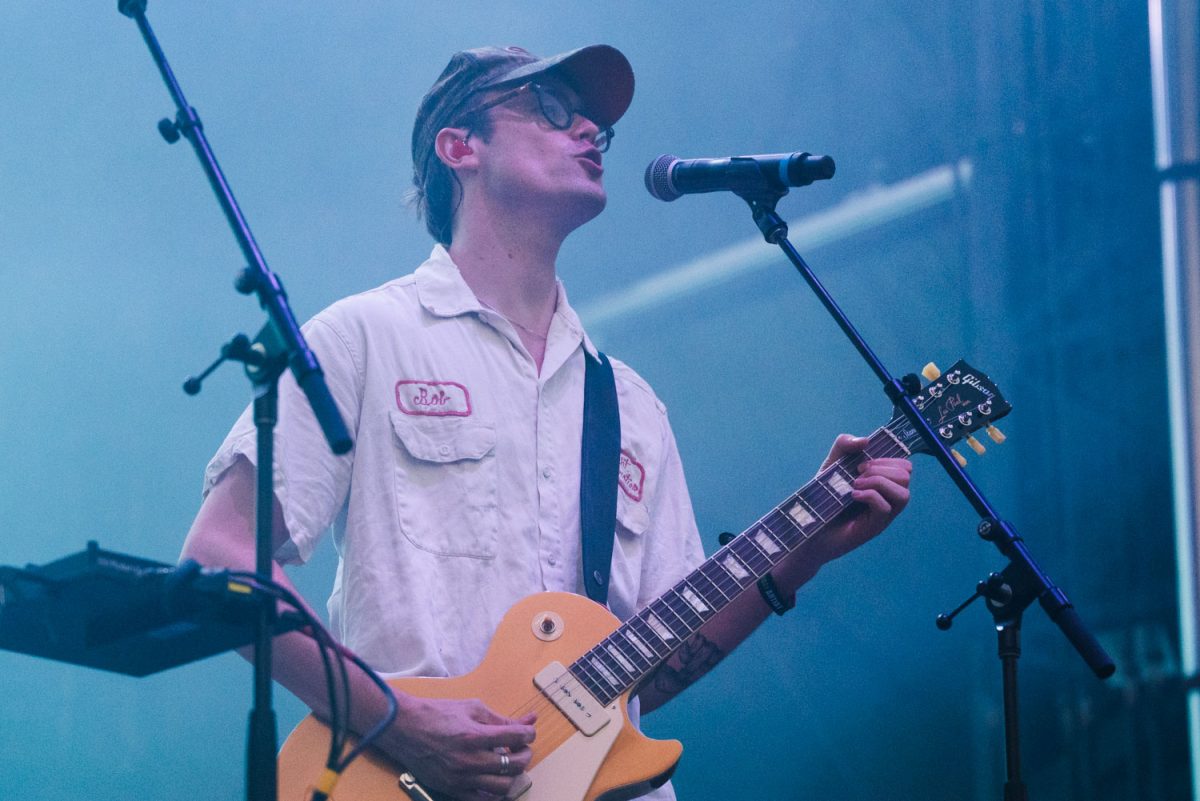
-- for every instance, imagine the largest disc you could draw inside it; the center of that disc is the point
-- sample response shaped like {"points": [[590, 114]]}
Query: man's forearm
{"points": [[222, 536], [880, 492], [715, 639]]}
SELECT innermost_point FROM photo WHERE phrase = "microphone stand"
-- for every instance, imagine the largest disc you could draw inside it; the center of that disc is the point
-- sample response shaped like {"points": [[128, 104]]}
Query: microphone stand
{"points": [[1022, 582], [279, 345]]}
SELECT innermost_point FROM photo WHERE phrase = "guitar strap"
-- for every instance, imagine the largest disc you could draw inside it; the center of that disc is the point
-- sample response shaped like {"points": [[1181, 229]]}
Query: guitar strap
{"points": [[600, 459]]}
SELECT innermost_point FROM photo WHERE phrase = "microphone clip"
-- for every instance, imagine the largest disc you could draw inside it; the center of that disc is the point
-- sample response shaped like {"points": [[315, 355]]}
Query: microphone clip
{"points": [[762, 208]]}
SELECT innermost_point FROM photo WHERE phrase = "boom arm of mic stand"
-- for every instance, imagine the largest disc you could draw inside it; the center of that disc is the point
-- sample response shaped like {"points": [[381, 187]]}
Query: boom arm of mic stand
{"points": [[1051, 598], [257, 277], [261, 782]]}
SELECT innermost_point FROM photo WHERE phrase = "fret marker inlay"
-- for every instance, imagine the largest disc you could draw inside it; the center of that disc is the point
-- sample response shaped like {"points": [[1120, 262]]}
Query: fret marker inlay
{"points": [[694, 599], [839, 483], [766, 542], [605, 672], [799, 512], [735, 567], [621, 660], [638, 644], [660, 628]]}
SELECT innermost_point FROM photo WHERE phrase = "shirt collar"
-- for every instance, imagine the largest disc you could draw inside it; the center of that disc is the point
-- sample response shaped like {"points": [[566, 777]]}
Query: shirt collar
{"points": [[444, 293]]}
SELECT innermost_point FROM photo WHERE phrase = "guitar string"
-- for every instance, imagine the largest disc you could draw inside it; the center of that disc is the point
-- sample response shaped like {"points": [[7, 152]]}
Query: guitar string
{"points": [[559, 728], [561, 725], [553, 729], [827, 510], [757, 560]]}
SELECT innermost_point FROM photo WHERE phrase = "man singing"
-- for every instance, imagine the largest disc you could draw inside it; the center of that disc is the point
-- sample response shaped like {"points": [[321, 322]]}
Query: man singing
{"points": [[463, 385]]}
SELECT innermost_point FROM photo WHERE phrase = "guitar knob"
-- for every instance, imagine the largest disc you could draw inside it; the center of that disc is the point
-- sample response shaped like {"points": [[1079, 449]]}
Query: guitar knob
{"points": [[976, 445], [547, 626], [996, 435], [958, 457], [931, 372]]}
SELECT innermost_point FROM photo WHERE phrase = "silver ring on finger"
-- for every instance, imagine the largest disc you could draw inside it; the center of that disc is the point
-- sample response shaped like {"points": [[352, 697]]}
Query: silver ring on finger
{"points": [[504, 761]]}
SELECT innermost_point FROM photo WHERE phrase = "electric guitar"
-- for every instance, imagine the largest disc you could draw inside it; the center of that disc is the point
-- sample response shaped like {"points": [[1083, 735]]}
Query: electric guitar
{"points": [[570, 660]]}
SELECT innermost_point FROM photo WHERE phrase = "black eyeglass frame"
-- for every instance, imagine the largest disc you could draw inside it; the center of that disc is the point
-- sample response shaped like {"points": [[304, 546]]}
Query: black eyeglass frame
{"points": [[603, 139]]}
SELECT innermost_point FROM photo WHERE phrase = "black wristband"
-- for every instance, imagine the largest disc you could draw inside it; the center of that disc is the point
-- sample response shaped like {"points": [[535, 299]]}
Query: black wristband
{"points": [[770, 593], [766, 585]]}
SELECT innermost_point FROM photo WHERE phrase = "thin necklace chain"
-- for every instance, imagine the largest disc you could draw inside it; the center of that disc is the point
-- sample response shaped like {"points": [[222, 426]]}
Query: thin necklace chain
{"points": [[526, 329]]}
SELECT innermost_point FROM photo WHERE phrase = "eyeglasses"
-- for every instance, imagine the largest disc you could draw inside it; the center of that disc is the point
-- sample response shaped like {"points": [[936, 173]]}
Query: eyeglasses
{"points": [[554, 107]]}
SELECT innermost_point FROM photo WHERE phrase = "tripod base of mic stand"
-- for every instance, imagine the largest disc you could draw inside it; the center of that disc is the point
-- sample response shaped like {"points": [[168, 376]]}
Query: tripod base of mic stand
{"points": [[261, 747]]}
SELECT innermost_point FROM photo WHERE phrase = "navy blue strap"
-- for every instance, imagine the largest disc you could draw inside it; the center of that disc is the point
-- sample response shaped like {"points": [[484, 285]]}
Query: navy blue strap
{"points": [[600, 459]]}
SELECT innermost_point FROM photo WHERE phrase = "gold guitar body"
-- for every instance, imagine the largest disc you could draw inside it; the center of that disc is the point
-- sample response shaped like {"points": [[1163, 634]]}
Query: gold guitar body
{"points": [[615, 762], [590, 752]]}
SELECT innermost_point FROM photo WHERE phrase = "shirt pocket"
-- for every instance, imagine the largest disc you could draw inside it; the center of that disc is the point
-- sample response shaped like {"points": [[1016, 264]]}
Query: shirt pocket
{"points": [[632, 517], [446, 484], [628, 549]]}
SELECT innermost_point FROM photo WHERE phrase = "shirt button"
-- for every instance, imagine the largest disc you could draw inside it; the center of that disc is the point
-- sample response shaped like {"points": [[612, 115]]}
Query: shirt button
{"points": [[547, 472], [444, 450], [552, 561]]}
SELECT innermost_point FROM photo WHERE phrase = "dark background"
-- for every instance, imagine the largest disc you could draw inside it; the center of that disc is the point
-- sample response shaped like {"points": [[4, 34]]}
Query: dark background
{"points": [[1041, 267]]}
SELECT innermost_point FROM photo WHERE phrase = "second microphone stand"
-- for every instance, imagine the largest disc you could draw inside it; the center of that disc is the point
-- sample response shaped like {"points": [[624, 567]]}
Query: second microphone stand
{"points": [[1022, 581]]}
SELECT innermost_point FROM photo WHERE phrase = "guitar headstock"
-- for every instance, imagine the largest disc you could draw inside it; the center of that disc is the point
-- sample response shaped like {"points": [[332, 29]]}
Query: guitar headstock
{"points": [[956, 404]]}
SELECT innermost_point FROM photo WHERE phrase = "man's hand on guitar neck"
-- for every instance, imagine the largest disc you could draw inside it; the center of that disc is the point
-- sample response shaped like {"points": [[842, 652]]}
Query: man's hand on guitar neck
{"points": [[881, 493], [882, 489]]}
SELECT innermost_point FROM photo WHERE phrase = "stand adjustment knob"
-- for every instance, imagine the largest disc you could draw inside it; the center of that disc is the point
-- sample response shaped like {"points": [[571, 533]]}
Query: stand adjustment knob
{"points": [[168, 131], [246, 281]]}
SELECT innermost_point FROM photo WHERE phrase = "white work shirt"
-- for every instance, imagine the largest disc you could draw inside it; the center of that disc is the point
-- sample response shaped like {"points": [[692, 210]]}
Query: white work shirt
{"points": [[461, 496]]}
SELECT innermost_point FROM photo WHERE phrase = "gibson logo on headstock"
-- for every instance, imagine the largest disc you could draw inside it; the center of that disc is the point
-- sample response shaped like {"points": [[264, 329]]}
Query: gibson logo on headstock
{"points": [[952, 404], [957, 402], [970, 380]]}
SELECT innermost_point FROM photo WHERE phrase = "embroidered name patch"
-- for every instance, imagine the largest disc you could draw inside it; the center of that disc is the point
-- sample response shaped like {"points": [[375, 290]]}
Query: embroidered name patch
{"points": [[631, 476], [433, 398]]}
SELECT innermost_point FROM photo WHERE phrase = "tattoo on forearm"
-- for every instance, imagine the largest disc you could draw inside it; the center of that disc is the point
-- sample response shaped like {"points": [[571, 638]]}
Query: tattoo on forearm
{"points": [[697, 657]]}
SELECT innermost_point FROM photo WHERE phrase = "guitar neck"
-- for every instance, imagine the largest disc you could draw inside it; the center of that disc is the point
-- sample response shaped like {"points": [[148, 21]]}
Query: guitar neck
{"points": [[656, 632]]}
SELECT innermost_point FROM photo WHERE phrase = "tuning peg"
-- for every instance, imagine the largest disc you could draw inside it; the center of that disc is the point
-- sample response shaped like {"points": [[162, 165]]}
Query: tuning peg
{"points": [[931, 372], [996, 434], [976, 445], [958, 457]]}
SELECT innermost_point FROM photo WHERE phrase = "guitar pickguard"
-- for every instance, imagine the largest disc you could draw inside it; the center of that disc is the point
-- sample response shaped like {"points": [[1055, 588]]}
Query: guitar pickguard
{"points": [[567, 772]]}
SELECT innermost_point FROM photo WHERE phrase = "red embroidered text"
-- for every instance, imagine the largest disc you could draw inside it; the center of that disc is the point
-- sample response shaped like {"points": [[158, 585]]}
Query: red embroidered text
{"points": [[631, 476], [433, 398]]}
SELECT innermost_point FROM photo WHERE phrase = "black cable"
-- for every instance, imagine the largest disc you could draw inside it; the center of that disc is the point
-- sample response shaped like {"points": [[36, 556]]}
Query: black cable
{"points": [[378, 729], [324, 644], [324, 639]]}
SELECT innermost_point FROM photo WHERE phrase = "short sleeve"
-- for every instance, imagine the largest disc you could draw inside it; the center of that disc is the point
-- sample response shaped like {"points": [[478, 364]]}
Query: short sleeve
{"points": [[311, 483]]}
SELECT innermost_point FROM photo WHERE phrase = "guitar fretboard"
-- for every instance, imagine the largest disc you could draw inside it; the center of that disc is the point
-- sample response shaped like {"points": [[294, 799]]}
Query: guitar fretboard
{"points": [[656, 632]]}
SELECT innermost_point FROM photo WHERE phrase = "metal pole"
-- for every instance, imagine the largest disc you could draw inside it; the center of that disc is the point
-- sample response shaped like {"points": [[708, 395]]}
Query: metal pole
{"points": [[1174, 51]]}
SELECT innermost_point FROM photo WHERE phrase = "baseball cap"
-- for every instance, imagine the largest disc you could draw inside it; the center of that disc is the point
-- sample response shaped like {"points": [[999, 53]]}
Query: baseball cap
{"points": [[600, 74]]}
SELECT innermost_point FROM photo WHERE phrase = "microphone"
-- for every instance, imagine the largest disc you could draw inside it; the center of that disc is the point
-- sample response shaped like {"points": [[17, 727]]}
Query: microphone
{"points": [[669, 178]]}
